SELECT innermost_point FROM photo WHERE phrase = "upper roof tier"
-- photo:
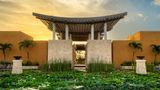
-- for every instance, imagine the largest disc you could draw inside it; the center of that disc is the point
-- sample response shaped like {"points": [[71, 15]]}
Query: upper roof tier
{"points": [[80, 27], [84, 20]]}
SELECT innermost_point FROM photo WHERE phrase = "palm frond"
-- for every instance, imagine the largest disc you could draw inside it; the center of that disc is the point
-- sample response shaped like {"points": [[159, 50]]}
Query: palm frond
{"points": [[135, 45]]}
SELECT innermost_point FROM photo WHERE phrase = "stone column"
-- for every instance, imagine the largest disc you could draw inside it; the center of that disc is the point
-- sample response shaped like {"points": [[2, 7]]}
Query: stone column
{"points": [[105, 31], [70, 37], [99, 35], [54, 31], [66, 32], [92, 32], [60, 36], [89, 36], [141, 67], [17, 67]]}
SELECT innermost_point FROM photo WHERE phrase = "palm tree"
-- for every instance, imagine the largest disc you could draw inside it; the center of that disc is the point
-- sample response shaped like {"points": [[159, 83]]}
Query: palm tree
{"points": [[26, 44], [156, 51], [135, 46], [4, 47]]}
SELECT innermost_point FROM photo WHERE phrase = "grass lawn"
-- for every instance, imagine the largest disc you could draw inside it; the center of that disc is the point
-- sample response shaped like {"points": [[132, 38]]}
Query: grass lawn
{"points": [[117, 80]]}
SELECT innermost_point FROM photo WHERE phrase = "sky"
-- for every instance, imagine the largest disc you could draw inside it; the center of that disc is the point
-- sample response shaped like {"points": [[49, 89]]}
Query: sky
{"points": [[16, 15]]}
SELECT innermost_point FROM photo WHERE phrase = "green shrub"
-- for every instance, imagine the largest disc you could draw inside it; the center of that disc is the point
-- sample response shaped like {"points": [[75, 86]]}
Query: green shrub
{"points": [[61, 65], [5, 62], [44, 67], [150, 67], [156, 63], [110, 67], [29, 63], [127, 63], [99, 66]]}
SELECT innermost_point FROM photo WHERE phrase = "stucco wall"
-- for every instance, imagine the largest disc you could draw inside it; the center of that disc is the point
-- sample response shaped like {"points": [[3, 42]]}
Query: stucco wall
{"points": [[99, 49], [59, 49], [13, 37], [96, 48], [150, 36], [122, 52], [37, 53]]}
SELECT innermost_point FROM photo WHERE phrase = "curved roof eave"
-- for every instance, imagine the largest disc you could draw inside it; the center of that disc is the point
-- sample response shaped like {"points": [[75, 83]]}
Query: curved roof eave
{"points": [[85, 20]]}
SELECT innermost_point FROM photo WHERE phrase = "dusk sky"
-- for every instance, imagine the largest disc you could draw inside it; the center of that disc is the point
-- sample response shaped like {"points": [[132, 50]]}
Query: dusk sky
{"points": [[16, 15]]}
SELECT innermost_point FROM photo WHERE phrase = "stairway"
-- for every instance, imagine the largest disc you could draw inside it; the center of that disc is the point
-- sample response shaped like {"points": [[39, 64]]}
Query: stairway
{"points": [[80, 67]]}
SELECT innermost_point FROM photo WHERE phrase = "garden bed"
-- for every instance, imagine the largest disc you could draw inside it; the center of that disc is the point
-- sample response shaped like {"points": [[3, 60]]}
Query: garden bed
{"points": [[117, 80], [30, 67], [126, 67]]}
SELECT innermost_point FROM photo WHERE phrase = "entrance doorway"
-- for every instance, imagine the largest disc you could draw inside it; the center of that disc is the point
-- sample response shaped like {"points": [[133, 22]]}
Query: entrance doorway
{"points": [[79, 56]]}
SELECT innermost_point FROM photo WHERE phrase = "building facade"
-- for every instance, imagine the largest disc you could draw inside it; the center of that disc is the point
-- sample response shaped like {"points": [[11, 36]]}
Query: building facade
{"points": [[69, 32]]}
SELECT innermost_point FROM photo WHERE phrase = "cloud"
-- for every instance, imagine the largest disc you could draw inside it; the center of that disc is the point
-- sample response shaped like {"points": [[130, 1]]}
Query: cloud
{"points": [[140, 15], [17, 14], [156, 2]]}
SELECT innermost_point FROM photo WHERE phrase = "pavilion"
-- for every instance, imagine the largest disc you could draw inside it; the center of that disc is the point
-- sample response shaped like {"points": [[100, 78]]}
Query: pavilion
{"points": [[90, 29]]}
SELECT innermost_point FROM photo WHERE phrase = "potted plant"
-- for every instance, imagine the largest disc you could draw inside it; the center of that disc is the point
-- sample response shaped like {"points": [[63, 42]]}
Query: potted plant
{"points": [[17, 57], [140, 57], [141, 65]]}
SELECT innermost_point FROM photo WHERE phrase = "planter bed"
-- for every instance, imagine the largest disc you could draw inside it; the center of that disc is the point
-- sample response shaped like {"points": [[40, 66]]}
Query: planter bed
{"points": [[126, 67], [157, 67], [9, 67], [5, 67], [30, 67]]}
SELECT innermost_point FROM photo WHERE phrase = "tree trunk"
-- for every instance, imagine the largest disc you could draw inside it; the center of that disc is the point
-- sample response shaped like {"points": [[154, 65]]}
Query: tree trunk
{"points": [[133, 61], [28, 55], [133, 57], [155, 57], [4, 54]]}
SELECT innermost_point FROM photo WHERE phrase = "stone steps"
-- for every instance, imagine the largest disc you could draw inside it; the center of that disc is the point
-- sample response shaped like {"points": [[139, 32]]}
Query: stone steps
{"points": [[80, 67]]}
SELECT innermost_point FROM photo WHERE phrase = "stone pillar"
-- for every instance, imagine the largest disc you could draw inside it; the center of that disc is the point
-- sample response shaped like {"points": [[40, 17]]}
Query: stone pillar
{"points": [[99, 35], [66, 32], [54, 31], [60, 36], [92, 32], [99, 50], [59, 49], [17, 67], [89, 36], [70, 37], [141, 67], [105, 31]]}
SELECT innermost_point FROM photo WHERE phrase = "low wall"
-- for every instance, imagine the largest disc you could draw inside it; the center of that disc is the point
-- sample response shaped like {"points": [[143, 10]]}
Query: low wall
{"points": [[122, 52], [59, 49], [38, 53], [99, 49]]}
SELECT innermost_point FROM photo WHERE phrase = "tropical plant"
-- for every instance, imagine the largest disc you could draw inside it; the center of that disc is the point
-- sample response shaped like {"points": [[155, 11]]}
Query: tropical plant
{"points": [[58, 65], [98, 65], [26, 44], [135, 46], [156, 51], [4, 47]]}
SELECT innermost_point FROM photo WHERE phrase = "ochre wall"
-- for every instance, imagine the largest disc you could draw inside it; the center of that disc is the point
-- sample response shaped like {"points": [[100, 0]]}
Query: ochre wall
{"points": [[122, 52], [37, 54], [150, 36]]}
